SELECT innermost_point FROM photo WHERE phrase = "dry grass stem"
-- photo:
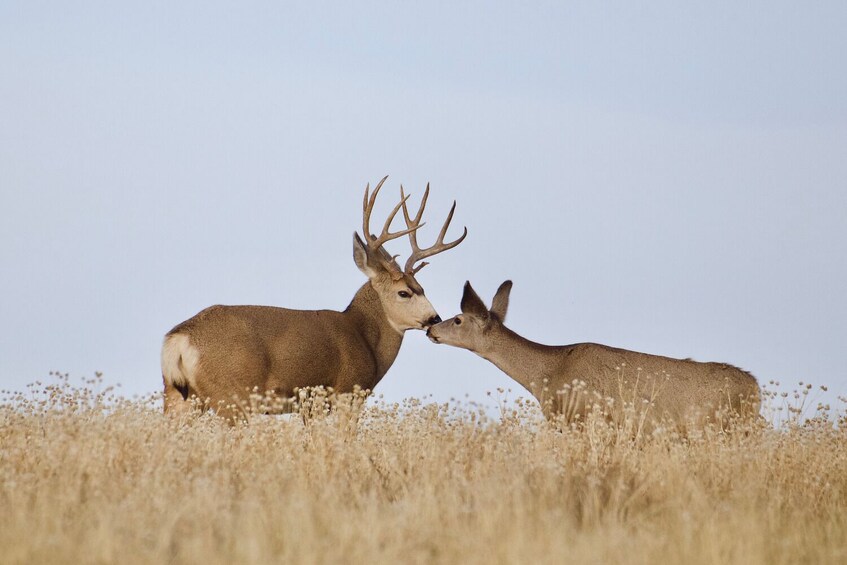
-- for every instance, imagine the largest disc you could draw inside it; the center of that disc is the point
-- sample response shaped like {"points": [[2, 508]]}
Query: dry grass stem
{"points": [[88, 477]]}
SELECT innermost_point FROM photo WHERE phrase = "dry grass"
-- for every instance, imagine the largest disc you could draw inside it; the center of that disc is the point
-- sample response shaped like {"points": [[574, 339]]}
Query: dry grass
{"points": [[91, 478]]}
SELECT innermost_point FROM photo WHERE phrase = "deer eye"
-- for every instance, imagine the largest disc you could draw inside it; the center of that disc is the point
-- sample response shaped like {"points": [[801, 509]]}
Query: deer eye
{"points": [[457, 321], [404, 294]]}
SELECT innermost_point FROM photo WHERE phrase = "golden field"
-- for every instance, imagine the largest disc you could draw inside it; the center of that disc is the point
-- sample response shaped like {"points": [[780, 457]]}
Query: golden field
{"points": [[90, 477]]}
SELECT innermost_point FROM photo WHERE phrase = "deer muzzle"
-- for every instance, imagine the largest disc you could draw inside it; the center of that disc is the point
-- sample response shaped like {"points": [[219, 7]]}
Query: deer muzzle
{"points": [[431, 322]]}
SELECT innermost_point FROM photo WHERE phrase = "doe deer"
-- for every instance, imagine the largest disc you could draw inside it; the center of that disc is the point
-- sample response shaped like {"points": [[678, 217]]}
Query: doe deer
{"points": [[571, 380], [224, 353]]}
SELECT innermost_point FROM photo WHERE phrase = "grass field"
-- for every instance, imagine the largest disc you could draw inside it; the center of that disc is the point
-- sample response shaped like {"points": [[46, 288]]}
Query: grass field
{"points": [[88, 477]]}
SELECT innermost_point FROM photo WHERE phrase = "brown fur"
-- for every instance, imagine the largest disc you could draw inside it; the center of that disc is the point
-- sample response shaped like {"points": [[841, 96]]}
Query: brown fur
{"points": [[268, 349], [226, 353], [663, 388]]}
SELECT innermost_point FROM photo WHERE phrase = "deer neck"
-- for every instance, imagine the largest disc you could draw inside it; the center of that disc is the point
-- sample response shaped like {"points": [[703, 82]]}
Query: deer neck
{"points": [[527, 362], [369, 318]]}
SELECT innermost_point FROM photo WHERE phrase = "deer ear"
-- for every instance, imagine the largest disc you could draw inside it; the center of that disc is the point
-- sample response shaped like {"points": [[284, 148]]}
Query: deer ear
{"points": [[472, 303], [363, 259], [501, 301]]}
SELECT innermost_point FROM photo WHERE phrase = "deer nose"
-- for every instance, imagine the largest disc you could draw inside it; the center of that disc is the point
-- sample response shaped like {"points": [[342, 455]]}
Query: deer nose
{"points": [[434, 320]]}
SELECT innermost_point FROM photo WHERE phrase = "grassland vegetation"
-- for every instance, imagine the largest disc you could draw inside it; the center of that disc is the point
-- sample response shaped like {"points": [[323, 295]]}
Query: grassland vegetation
{"points": [[87, 476]]}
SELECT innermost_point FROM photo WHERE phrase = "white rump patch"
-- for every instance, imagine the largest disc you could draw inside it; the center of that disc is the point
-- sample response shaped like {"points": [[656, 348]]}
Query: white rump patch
{"points": [[180, 360]]}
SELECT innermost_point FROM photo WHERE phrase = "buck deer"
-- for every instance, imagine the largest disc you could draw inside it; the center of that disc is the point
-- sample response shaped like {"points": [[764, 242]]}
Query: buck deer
{"points": [[571, 380], [225, 353]]}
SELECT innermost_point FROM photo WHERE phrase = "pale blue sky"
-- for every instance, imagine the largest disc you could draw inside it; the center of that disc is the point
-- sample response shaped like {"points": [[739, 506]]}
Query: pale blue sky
{"points": [[664, 177]]}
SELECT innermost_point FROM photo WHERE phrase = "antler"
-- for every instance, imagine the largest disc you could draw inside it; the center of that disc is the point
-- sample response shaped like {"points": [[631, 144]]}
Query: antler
{"points": [[413, 225], [374, 242]]}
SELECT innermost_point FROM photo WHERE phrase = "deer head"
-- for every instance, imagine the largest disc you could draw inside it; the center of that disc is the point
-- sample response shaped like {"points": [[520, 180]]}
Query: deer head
{"points": [[401, 295], [470, 329]]}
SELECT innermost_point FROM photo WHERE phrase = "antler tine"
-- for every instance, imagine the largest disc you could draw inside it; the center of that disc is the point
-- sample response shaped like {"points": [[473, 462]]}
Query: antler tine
{"points": [[368, 206], [374, 242], [409, 222], [418, 253], [386, 235]]}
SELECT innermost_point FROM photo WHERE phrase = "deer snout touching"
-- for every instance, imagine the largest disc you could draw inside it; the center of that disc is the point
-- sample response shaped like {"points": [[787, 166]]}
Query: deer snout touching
{"points": [[432, 321], [451, 332], [434, 332]]}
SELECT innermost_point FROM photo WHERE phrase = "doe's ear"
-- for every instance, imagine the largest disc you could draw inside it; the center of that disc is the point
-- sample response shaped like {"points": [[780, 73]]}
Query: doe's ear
{"points": [[362, 258], [501, 301], [472, 303]]}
